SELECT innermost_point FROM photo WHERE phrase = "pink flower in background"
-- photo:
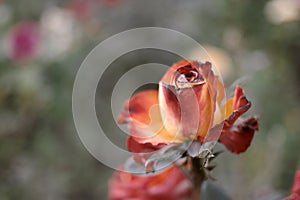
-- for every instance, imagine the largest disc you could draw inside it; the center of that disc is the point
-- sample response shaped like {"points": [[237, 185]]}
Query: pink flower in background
{"points": [[296, 188], [170, 184], [24, 39]]}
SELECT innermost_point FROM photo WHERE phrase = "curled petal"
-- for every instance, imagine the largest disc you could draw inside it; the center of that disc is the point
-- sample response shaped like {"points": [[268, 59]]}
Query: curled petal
{"points": [[136, 147], [239, 100], [238, 138], [235, 136]]}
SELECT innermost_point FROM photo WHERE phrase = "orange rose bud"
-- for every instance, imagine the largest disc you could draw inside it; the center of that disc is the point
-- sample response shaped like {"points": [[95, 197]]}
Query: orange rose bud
{"points": [[190, 104], [187, 96]]}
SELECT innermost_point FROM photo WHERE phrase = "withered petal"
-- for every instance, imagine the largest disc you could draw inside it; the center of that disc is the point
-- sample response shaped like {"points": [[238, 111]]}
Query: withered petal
{"points": [[236, 137]]}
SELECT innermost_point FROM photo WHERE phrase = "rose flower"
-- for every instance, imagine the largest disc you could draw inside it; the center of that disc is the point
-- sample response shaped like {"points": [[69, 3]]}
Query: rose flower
{"points": [[296, 188], [189, 105], [170, 184]]}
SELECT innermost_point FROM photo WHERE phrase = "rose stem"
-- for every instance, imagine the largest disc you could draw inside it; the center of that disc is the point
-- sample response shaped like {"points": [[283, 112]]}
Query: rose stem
{"points": [[198, 176]]}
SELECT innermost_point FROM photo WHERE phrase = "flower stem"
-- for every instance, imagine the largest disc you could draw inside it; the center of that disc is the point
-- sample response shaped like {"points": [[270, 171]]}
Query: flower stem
{"points": [[196, 193], [198, 176]]}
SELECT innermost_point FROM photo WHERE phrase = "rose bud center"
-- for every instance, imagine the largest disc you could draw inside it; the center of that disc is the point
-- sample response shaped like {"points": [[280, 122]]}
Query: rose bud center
{"points": [[187, 76]]}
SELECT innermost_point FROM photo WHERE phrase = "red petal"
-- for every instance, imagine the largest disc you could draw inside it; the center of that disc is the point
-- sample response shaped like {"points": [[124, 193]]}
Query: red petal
{"points": [[142, 114], [236, 137], [136, 110], [136, 147], [240, 99], [296, 188], [170, 184]]}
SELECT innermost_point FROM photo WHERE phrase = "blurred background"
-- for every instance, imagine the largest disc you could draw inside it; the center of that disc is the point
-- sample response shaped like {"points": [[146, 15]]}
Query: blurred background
{"points": [[44, 42]]}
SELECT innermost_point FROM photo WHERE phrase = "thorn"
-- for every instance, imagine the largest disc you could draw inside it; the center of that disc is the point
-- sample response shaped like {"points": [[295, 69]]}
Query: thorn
{"points": [[211, 167], [215, 155]]}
